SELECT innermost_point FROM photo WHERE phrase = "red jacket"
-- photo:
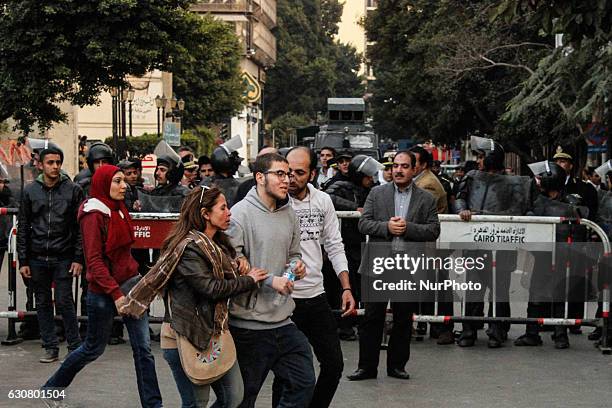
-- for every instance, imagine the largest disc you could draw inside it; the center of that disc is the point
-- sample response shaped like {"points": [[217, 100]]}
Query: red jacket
{"points": [[101, 278]]}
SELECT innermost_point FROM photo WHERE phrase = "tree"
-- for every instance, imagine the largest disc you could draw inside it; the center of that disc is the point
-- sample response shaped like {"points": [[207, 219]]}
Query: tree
{"points": [[311, 66], [207, 74], [444, 71], [574, 80], [285, 125], [68, 50]]}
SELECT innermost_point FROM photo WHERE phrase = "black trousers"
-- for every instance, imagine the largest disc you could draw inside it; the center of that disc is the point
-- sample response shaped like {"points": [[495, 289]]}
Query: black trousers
{"points": [[315, 319], [371, 332], [505, 264]]}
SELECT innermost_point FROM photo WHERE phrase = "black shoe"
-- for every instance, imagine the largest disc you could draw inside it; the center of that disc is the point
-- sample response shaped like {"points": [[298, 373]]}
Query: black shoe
{"points": [[113, 341], [595, 334], [347, 335], [494, 342], [50, 356], [561, 341], [528, 340], [421, 329], [467, 339], [446, 338], [361, 374], [398, 373]]}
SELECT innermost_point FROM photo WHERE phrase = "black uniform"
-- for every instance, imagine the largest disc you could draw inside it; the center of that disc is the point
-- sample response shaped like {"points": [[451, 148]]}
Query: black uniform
{"points": [[492, 193]]}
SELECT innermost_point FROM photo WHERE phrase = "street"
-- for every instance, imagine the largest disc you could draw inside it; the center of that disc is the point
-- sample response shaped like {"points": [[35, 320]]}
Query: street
{"points": [[440, 375]]}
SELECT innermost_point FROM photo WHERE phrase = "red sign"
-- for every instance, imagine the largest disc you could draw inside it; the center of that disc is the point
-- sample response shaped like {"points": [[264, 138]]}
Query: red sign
{"points": [[151, 233]]}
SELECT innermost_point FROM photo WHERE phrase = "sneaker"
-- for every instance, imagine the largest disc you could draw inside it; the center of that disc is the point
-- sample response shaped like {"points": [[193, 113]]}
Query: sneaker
{"points": [[50, 356]]}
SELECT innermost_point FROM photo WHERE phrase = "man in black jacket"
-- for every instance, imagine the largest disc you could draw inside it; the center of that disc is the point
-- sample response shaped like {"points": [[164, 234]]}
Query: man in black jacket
{"points": [[49, 248]]}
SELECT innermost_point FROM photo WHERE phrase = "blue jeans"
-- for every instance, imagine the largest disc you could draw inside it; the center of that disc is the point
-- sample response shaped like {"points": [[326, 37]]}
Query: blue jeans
{"points": [[228, 389], [100, 313], [44, 273], [286, 352]]}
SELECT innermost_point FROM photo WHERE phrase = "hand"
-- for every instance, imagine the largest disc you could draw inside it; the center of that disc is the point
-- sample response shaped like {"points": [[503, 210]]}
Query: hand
{"points": [[75, 269], [348, 303], [465, 215], [257, 274], [300, 270], [396, 226], [137, 206], [282, 285], [119, 303], [25, 272], [360, 209], [243, 266]]}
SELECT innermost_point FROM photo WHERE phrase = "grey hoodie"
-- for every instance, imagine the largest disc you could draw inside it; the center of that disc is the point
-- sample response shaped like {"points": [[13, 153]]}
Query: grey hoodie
{"points": [[269, 240]]}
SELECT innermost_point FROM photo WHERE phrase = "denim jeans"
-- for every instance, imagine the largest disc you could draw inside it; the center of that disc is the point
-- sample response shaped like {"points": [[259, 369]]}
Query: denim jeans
{"points": [[44, 273], [100, 312], [286, 352], [229, 389], [315, 319]]}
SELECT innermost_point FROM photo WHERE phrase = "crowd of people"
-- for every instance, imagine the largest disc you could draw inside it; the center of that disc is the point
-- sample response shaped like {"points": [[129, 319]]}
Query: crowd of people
{"points": [[265, 259]]}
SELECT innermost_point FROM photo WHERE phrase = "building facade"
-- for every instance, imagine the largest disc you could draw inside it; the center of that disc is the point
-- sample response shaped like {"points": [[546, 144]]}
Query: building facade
{"points": [[254, 21]]}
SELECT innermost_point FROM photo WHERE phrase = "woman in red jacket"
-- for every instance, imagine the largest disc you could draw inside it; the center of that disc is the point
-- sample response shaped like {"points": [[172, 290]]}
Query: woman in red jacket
{"points": [[111, 271]]}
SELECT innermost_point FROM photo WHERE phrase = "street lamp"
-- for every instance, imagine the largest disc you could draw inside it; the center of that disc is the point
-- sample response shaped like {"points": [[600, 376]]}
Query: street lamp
{"points": [[113, 93], [181, 108], [130, 99], [158, 105]]}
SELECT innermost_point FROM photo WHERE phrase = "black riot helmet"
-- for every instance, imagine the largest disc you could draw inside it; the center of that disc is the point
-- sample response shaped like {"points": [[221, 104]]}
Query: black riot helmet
{"points": [[551, 175], [175, 168], [361, 166], [225, 159], [494, 154], [99, 151]]}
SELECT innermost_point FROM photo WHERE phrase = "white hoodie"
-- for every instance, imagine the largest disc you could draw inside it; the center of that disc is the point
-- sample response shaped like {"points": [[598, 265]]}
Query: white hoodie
{"points": [[318, 225]]}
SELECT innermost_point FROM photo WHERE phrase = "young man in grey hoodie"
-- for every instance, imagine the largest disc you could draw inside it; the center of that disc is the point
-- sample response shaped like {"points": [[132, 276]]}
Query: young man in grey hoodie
{"points": [[265, 231]]}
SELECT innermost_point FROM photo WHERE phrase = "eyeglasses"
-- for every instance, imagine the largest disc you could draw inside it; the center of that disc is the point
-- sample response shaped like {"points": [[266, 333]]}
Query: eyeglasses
{"points": [[281, 174], [204, 188]]}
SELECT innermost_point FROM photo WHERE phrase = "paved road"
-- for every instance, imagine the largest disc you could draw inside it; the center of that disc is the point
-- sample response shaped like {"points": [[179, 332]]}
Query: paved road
{"points": [[441, 376]]}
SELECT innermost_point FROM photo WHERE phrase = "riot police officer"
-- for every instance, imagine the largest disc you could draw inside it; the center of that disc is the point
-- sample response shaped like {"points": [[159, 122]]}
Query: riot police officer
{"points": [[547, 284], [488, 191], [98, 155], [225, 162]]}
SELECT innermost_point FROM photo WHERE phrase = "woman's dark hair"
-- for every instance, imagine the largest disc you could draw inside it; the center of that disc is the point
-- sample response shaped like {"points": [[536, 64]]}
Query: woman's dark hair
{"points": [[191, 219]]}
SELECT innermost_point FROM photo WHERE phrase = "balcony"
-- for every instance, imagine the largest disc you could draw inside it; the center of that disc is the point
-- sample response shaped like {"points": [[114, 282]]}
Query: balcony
{"points": [[264, 44], [265, 11], [262, 10]]}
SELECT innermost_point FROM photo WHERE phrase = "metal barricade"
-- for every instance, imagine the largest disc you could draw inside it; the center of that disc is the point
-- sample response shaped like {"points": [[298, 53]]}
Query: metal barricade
{"points": [[150, 230]]}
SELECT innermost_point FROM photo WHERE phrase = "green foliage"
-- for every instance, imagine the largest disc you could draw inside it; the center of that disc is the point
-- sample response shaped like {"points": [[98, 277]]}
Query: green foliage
{"points": [[284, 126], [575, 19], [444, 71], [206, 75], [69, 50], [201, 140], [310, 66], [573, 81]]}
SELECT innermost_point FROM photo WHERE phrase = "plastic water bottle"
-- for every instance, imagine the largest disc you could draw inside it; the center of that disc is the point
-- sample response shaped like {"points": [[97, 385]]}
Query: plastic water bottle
{"points": [[279, 299]]}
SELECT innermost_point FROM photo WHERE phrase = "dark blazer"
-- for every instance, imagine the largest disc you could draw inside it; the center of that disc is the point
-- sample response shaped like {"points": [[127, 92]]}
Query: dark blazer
{"points": [[422, 222]]}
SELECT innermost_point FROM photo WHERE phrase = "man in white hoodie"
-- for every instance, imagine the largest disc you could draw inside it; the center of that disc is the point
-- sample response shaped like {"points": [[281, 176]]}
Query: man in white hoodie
{"points": [[313, 315]]}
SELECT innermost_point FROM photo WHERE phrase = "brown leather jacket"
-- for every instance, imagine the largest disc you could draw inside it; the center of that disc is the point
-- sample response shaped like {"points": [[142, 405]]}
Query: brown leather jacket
{"points": [[194, 291]]}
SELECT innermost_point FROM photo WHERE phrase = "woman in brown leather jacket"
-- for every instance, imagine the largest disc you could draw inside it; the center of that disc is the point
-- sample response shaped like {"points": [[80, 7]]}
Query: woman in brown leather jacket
{"points": [[197, 296]]}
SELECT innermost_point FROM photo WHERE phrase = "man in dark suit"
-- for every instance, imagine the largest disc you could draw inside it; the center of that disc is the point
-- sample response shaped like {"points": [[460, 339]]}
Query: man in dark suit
{"points": [[397, 211]]}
